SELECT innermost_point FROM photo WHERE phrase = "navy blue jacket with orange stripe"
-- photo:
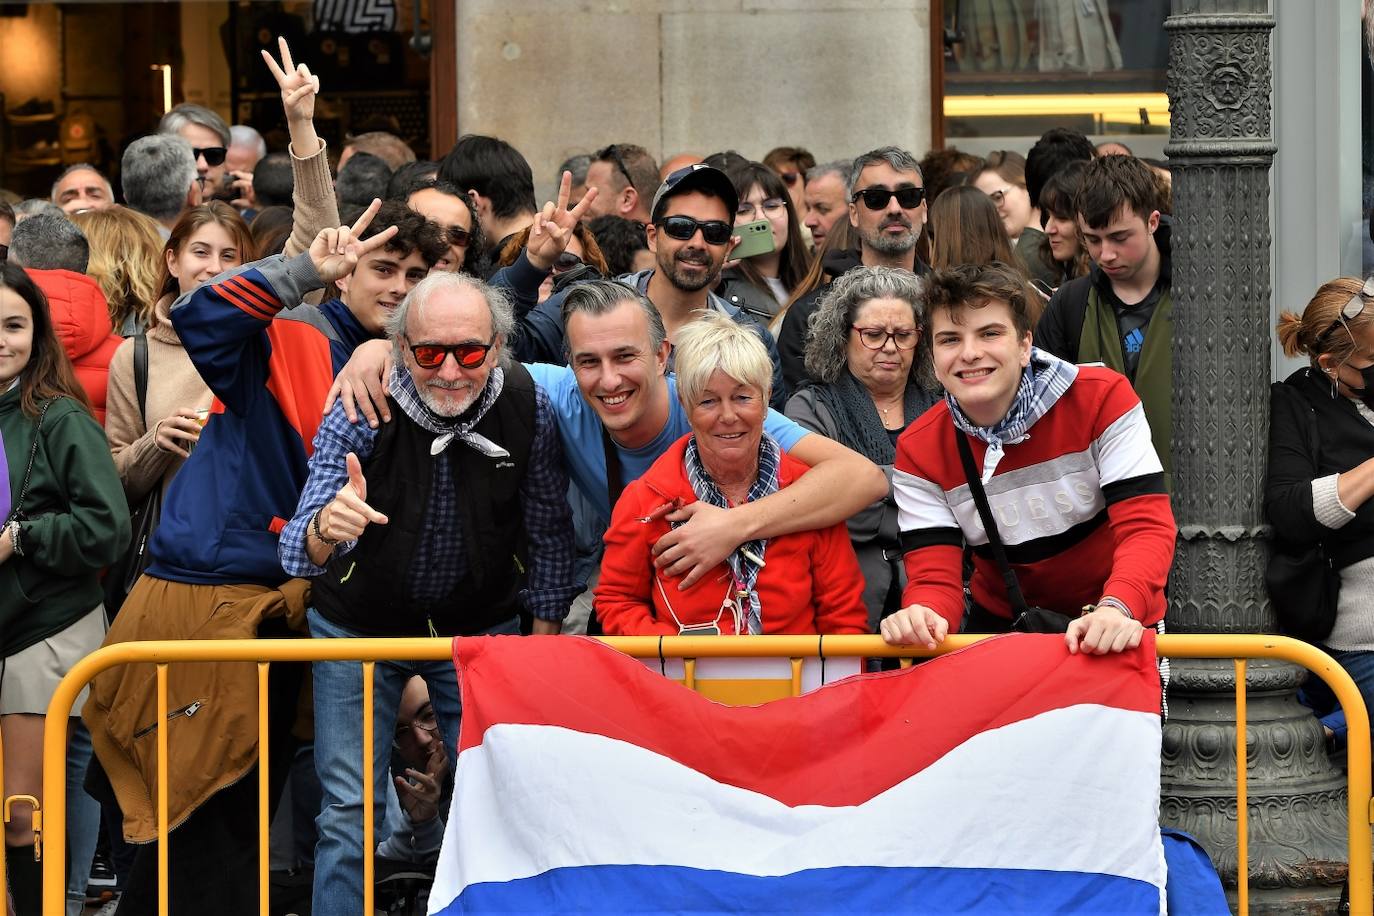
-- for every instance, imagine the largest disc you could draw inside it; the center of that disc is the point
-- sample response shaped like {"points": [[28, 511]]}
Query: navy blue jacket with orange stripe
{"points": [[269, 367]]}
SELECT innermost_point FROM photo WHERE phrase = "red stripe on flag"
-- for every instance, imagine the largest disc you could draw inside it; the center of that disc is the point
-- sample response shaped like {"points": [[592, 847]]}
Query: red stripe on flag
{"points": [[840, 745]]}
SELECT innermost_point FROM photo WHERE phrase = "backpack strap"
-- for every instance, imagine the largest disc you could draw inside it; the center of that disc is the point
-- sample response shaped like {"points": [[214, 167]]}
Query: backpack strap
{"points": [[141, 374]]}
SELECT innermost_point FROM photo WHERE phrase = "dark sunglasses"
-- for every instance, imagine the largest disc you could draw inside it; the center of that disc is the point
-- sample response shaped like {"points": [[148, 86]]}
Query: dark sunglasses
{"points": [[612, 152], [682, 228], [877, 198], [565, 262], [214, 155], [467, 355], [457, 235], [4, 253], [789, 178]]}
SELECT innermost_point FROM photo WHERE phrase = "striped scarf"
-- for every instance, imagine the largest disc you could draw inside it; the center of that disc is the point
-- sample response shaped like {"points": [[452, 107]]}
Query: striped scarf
{"points": [[747, 560], [1043, 382]]}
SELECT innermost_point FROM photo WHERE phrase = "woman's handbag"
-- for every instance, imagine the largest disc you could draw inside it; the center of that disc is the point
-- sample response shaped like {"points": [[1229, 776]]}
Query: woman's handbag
{"points": [[1025, 619], [1304, 584], [143, 518]]}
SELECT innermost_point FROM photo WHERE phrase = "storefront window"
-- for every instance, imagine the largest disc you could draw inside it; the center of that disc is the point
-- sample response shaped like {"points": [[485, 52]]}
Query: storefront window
{"points": [[1015, 68]]}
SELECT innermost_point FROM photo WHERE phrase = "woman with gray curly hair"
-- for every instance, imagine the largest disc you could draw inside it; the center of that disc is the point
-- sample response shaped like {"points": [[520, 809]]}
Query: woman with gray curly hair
{"points": [[873, 377]]}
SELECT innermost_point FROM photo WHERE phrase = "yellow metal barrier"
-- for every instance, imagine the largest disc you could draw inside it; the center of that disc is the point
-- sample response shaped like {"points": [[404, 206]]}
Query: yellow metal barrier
{"points": [[795, 648]]}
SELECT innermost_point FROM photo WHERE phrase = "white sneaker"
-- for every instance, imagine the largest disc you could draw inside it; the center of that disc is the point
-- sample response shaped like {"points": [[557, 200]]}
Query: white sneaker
{"points": [[108, 909]]}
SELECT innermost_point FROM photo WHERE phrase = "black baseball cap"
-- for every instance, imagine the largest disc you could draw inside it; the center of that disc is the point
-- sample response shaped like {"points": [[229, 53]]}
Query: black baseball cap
{"points": [[696, 177]]}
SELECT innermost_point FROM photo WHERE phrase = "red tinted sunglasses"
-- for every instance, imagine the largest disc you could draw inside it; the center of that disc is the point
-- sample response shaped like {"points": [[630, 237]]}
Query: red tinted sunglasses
{"points": [[467, 355]]}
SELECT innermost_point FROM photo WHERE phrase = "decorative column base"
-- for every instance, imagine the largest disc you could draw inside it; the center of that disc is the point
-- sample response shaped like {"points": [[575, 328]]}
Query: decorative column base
{"points": [[1296, 795]]}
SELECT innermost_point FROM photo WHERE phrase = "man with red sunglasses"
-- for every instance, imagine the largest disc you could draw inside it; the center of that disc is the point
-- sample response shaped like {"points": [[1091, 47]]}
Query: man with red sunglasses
{"points": [[887, 210], [451, 520]]}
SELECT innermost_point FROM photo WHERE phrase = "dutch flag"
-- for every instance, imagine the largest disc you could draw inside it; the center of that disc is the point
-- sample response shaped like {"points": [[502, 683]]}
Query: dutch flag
{"points": [[1009, 777]]}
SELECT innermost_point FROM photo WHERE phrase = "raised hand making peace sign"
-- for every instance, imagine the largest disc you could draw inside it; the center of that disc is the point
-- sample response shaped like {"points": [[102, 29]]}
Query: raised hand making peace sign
{"points": [[336, 251], [298, 87], [554, 225]]}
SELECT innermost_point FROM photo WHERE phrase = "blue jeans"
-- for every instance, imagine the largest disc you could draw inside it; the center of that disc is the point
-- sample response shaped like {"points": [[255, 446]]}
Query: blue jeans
{"points": [[83, 814], [338, 889], [1359, 664]]}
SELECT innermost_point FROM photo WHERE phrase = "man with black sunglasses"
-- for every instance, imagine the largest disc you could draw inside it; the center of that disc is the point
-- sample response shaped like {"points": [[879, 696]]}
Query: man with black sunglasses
{"points": [[209, 137], [887, 210], [691, 234], [624, 176]]}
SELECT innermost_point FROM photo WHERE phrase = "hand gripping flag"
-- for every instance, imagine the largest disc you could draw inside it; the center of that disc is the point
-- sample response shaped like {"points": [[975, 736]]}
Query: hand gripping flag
{"points": [[1010, 777]]}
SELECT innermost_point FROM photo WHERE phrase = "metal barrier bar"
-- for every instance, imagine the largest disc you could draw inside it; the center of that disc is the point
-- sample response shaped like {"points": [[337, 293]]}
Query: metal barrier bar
{"points": [[4, 816], [1242, 799], [163, 873], [369, 801], [1361, 856], [264, 796]]}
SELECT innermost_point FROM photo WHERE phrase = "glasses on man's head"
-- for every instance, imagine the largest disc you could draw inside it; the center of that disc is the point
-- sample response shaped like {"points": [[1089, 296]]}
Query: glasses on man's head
{"points": [[467, 355], [1352, 309], [877, 338], [682, 228], [789, 178], [214, 155], [612, 152], [565, 262], [770, 207], [908, 198]]}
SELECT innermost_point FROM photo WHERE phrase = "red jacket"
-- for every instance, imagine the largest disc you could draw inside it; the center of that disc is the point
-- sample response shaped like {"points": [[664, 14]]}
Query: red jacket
{"points": [[810, 582], [81, 317]]}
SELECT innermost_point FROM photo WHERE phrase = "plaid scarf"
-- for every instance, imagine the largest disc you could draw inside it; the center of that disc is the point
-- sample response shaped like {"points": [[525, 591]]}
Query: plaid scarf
{"points": [[1043, 383], [402, 388], [747, 559]]}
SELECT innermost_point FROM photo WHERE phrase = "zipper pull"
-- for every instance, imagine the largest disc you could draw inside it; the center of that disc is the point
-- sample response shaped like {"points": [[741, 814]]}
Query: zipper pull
{"points": [[193, 708]]}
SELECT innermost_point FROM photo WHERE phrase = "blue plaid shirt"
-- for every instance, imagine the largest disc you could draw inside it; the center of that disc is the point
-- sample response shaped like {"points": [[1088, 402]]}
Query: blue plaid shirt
{"points": [[440, 560]]}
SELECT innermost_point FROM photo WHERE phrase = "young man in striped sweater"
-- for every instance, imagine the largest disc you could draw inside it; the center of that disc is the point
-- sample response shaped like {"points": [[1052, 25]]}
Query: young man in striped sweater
{"points": [[1066, 459]]}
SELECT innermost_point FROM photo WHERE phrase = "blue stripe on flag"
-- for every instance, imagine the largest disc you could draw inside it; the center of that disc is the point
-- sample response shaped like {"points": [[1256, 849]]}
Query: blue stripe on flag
{"points": [[859, 889]]}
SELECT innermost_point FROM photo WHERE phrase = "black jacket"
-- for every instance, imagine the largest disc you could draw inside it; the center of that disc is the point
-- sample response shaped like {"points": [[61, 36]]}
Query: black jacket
{"points": [[1311, 435], [736, 289]]}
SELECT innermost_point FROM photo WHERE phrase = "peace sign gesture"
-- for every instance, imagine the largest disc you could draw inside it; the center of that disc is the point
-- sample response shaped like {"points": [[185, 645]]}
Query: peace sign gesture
{"points": [[298, 85], [335, 252], [554, 226]]}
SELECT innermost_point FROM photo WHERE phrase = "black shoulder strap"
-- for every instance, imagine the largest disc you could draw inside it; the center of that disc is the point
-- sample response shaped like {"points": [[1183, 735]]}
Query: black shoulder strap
{"points": [[18, 509], [980, 499], [614, 486], [141, 374]]}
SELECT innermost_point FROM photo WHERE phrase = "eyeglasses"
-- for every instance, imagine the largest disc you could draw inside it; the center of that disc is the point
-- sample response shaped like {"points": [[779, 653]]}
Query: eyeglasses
{"points": [[426, 721], [457, 235], [999, 196], [682, 228], [789, 178], [612, 152], [1352, 309], [565, 262], [771, 207], [467, 355], [877, 338], [214, 155], [908, 198]]}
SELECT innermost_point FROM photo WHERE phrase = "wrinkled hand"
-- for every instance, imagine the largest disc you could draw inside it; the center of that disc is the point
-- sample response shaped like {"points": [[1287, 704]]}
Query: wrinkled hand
{"points": [[298, 86], [916, 625], [693, 549], [183, 425], [361, 384], [419, 795], [1104, 630], [242, 184], [554, 225], [336, 251], [347, 515]]}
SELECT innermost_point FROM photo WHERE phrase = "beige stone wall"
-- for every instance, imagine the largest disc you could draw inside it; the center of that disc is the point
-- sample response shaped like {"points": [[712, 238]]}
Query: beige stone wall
{"points": [[558, 77]]}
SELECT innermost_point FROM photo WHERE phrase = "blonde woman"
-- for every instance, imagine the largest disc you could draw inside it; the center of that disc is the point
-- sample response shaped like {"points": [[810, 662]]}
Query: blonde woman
{"points": [[126, 260]]}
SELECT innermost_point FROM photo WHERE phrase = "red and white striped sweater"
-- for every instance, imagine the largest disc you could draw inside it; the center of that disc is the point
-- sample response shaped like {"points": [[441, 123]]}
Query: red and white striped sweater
{"points": [[1080, 505]]}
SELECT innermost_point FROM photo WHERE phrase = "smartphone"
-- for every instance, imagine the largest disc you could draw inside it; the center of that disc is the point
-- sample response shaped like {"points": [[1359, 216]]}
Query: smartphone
{"points": [[755, 238]]}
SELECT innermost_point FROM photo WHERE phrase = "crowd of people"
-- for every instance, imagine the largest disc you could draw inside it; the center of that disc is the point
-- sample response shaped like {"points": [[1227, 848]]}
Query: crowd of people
{"points": [[267, 395]]}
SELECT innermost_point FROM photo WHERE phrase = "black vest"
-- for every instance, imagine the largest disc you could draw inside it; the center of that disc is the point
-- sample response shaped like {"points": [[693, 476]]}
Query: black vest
{"points": [[365, 589]]}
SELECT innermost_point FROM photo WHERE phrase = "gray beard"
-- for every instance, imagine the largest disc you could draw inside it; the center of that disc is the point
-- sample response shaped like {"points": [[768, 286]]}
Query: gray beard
{"points": [[883, 243], [449, 410]]}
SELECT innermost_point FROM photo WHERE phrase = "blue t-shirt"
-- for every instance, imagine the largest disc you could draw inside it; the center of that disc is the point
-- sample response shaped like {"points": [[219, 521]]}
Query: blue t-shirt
{"points": [[580, 429]]}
